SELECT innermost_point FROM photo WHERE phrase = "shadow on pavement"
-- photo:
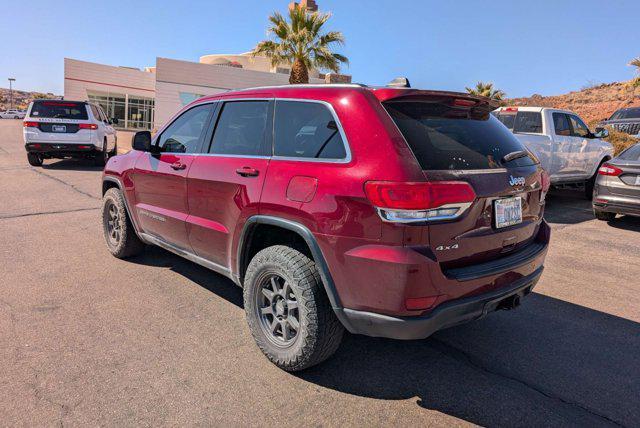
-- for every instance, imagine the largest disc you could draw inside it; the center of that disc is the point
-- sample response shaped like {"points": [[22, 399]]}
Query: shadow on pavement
{"points": [[567, 207], [549, 362], [626, 223], [71, 165]]}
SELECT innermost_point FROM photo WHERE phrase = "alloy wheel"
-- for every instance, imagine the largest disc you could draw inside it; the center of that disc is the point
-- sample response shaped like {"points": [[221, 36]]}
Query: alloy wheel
{"points": [[278, 312], [114, 228]]}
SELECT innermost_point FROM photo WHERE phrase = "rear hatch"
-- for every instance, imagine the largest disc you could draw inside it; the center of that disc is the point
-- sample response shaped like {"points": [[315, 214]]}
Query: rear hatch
{"points": [[455, 138], [59, 121]]}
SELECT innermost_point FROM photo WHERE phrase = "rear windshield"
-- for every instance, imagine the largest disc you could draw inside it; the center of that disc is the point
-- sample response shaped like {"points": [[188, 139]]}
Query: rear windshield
{"points": [[59, 110], [631, 154], [445, 138], [628, 113], [522, 121]]}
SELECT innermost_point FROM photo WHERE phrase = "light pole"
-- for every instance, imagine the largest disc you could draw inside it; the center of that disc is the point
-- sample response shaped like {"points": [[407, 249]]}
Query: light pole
{"points": [[11, 80]]}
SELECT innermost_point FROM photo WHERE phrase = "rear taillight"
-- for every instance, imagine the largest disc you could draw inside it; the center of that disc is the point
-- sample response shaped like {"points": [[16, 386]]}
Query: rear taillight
{"points": [[412, 202], [545, 184], [88, 126], [29, 124], [607, 169]]}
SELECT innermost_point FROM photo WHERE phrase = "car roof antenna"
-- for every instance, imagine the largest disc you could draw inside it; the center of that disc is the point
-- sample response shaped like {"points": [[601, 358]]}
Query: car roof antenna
{"points": [[399, 82]]}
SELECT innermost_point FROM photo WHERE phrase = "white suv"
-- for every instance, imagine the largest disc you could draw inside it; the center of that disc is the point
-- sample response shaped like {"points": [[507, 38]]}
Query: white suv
{"points": [[12, 114], [56, 129]]}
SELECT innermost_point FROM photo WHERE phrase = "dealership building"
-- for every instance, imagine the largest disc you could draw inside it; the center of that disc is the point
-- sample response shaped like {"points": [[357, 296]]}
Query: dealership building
{"points": [[146, 99]]}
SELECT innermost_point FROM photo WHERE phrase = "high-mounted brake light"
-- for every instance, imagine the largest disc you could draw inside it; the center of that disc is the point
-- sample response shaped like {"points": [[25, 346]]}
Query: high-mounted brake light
{"points": [[30, 124], [59, 104], [610, 170], [510, 109], [419, 201], [88, 126], [460, 102]]}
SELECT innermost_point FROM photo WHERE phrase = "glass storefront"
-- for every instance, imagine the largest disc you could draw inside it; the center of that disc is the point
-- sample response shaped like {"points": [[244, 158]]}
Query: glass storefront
{"points": [[132, 111]]}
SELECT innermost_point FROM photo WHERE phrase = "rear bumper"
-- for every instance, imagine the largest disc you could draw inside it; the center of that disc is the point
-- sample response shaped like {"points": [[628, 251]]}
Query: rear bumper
{"points": [[446, 315], [617, 205], [62, 149]]}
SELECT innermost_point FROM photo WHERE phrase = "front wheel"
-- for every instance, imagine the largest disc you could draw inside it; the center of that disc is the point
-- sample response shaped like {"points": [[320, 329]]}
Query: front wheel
{"points": [[288, 312], [34, 159]]}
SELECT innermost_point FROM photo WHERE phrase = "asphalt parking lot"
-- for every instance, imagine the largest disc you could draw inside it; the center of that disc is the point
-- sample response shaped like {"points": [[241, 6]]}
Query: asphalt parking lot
{"points": [[156, 340]]}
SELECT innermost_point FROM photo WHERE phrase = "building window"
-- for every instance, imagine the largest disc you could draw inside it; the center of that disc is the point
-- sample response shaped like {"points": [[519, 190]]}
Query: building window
{"points": [[132, 111], [188, 98]]}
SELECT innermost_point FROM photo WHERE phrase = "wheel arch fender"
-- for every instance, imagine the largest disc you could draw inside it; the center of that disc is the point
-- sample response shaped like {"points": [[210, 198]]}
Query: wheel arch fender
{"points": [[323, 269], [108, 182]]}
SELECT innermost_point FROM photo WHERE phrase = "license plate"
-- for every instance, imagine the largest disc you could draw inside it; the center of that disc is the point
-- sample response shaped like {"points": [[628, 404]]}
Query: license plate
{"points": [[507, 212], [59, 128]]}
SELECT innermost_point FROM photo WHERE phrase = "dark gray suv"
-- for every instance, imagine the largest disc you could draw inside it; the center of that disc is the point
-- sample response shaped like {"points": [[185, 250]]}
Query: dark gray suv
{"points": [[625, 120]]}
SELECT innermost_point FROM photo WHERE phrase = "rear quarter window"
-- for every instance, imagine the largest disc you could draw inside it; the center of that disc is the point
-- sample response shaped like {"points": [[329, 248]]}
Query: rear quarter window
{"points": [[442, 138], [59, 110]]}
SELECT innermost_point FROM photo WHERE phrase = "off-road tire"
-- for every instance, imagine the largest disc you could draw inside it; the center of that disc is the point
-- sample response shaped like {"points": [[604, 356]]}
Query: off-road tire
{"points": [[34, 159], [128, 245], [320, 332], [604, 216]]}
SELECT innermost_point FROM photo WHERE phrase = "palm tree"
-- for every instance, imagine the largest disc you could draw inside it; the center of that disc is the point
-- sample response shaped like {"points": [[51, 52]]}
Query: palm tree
{"points": [[486, 90], [636, 63], [301, 42]]}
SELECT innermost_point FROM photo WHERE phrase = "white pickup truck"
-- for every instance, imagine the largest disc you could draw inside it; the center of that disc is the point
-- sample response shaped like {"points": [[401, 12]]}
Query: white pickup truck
{"points": [[567, 149]]}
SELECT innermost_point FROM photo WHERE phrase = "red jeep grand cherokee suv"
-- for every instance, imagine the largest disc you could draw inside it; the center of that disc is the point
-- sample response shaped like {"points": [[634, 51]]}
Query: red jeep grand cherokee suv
{"points": [[390, 212]]}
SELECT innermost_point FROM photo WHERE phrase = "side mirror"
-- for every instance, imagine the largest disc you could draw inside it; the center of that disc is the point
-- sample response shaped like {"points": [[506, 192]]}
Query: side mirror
{"points": [[601, 133], [142, 141], [113, 121]]}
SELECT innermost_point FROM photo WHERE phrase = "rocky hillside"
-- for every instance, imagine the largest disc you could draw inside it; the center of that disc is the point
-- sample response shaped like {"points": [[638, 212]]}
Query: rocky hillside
{"points": [[21, 99], [592, 104]]}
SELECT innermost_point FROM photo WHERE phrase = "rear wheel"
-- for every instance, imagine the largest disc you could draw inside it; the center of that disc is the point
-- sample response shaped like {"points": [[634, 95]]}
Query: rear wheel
{"points": [[34, 159], [590, 183], [119, 234], [288, 312], [101, 158], [604, 216]]}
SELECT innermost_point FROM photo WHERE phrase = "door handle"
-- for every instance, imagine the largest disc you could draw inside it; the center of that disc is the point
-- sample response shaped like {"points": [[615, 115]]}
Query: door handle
{"points": [[247, 172], [178, 166]]}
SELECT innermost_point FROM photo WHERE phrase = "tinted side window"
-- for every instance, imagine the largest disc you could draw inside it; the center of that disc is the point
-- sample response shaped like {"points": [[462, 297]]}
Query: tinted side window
{"points": [[242, 129], [528, 121], [579, 128], [561, 124], [186, 132], [307, 130]]}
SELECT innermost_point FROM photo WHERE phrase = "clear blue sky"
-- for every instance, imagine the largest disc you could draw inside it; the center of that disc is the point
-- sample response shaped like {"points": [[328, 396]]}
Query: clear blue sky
{"points": [[524, 47]]}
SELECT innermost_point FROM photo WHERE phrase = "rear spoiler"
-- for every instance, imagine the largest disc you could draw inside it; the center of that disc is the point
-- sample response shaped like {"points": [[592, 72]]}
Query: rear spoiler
{"points": [[459, 100]]}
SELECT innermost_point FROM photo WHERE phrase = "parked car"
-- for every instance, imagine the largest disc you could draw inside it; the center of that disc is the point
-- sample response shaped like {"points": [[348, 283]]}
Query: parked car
{"points": [[390, 212], [567, 149], [625, 120], [12, 114], [68, 129], [617, 189]]}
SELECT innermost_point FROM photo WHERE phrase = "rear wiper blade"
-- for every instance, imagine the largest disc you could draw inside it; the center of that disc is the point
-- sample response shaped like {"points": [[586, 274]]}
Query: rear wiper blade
{"points": [[514, 155]]}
